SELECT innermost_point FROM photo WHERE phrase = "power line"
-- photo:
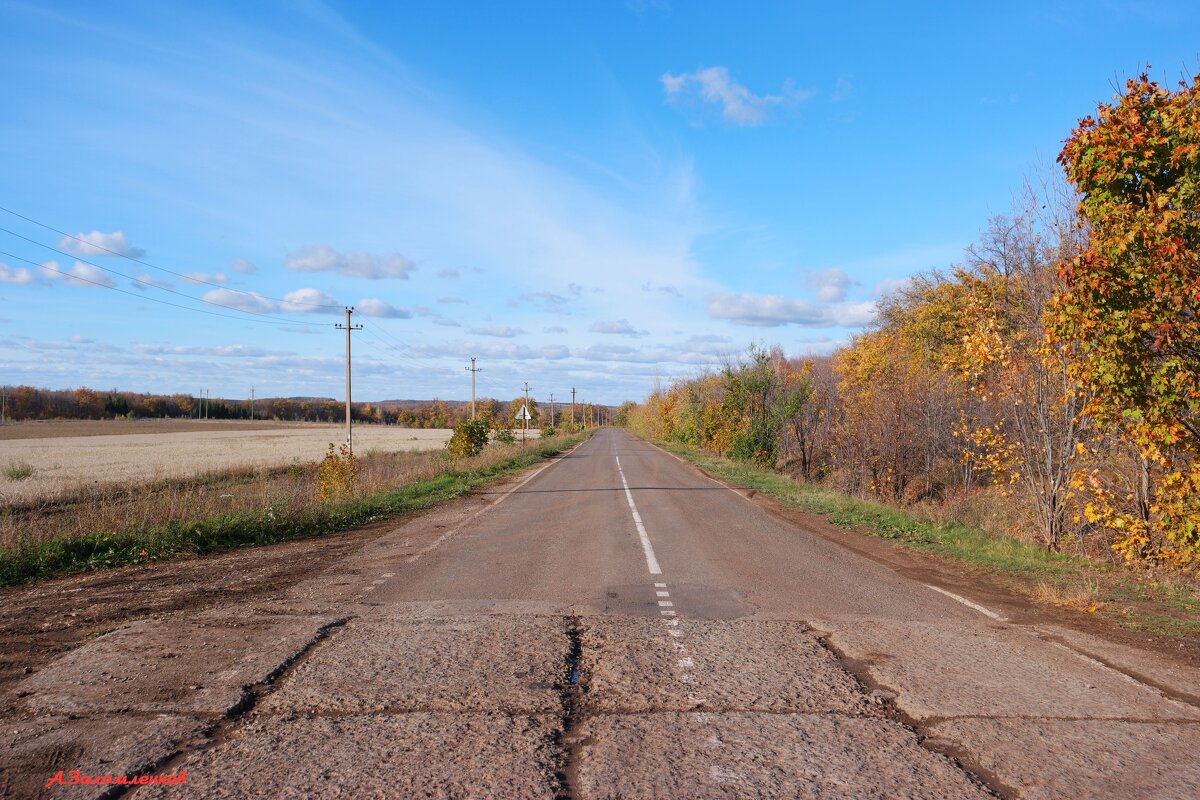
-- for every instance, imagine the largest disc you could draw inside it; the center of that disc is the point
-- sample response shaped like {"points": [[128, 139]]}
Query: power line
{"points": [[272, 321], [148, 264], [151, 284]]}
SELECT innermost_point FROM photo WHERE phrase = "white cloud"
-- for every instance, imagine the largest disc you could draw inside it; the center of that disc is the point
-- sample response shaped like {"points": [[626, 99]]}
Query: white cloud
{"points": [[82, 274], [772, 311], [889, 286], [739, 105], [310, 301], [18, 276], [98, 243], [830, 285], [620, 326], [550, 302], [352, 264], [225, 351], [448, 273], [649, 286], [451, 301], [842, 89], [554, 329], [374, 307], [242, 301], [502, 331], [449, 323], [207, 277], [242, 266], [144, 281]]}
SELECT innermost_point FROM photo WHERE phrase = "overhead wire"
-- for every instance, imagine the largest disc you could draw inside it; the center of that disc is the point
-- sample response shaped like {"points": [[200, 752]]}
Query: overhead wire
{"points": [[273, 321], [181, 275]]}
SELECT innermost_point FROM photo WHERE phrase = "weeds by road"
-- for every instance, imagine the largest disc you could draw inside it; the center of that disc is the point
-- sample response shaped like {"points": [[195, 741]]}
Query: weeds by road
{"points": [[1158, 601], [237, 508]]}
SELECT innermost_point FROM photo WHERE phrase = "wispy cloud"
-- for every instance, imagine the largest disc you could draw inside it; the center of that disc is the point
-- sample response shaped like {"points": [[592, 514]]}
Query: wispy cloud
{"points": [[501, 331], [352, 264], [738, 105], [619, 327], [81, 274], [770, 311]]}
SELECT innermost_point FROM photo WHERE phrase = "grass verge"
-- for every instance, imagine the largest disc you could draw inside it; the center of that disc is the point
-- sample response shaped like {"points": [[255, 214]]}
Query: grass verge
{"points": [[36, 559], [1157, 602]]}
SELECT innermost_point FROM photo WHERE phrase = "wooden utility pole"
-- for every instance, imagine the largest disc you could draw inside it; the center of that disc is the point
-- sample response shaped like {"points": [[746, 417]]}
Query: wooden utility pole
{"points": [[551, 409], [572, 406], [348, 328], [252, 404], [473, 370]]}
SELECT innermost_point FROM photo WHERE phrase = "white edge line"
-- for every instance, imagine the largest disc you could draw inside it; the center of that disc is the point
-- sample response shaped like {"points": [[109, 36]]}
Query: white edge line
{"points": [[987, 612]]}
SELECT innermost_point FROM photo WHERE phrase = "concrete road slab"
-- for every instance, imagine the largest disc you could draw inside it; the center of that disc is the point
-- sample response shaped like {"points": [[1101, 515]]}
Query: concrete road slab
{"points": [[699, 755], [450, 663], [197, 666], [632, 664], [1052, 759], [426, 755], [994, 670]]}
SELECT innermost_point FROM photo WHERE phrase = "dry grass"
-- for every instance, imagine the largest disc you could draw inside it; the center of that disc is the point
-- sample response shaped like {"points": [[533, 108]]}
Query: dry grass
{"points": [[65, 467], [1082, 595], [97, 507]]}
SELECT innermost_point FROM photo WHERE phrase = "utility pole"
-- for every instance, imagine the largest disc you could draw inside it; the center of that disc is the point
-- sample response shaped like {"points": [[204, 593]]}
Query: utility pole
{"points": [[348, 328], [551, 409], [572, 406], [525, 428], [252, 404], [472, 369], [3, 405]]}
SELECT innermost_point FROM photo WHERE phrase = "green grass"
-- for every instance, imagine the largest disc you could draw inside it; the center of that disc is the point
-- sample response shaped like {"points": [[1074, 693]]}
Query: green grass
{"points": [[1168, 607], [36, 560], [18, 471]]}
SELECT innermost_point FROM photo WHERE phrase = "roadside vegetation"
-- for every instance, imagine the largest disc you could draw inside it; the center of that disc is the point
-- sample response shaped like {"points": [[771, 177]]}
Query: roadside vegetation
{"points": [[1042, 395], [98, 527], [1155, 599]]}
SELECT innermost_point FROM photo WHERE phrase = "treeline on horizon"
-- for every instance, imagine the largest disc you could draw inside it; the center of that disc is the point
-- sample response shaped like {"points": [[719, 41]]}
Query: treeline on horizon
{"points": [[23, 403], [1052, 378]]}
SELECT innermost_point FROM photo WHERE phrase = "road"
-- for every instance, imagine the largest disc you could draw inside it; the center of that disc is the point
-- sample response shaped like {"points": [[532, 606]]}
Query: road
{"points": [[611, 624]]}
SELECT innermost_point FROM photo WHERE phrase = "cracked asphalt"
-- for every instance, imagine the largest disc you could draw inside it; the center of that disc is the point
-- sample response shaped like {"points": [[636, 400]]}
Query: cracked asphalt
{"points": [[611, 624]]}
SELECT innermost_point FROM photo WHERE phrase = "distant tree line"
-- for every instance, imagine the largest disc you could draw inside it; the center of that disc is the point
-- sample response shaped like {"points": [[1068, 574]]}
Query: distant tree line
{"points": [[32, 403]]}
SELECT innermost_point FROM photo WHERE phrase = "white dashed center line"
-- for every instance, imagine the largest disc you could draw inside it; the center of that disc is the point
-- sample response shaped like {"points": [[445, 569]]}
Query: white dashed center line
{"points": [[647, 548]]}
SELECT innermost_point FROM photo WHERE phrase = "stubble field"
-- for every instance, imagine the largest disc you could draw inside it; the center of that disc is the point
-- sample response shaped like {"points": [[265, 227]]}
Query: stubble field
{"points": [[66, 457]]}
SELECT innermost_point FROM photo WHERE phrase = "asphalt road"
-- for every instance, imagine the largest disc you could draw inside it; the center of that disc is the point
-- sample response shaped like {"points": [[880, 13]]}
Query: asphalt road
{"points": [[612, 624]]}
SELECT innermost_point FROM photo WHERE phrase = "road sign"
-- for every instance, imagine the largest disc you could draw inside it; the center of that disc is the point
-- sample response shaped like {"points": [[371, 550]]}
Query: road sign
{"points": [[523, 413]]}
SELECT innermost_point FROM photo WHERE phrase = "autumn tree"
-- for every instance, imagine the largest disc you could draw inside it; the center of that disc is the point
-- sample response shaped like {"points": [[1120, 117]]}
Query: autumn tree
{"points": [[1131, 302]]}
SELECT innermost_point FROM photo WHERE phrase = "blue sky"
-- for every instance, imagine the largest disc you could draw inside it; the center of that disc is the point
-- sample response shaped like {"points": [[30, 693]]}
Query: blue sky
{"points": [[589, 195]]}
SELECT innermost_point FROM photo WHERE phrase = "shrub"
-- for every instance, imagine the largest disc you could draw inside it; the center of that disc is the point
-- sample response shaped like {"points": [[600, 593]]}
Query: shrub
{"points": [[504, 436], [336, 474], [548, 431], [18, 471], [469, 439]]}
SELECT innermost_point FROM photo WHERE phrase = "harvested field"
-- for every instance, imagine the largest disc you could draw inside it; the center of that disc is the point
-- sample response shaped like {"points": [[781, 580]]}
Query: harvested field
{"points": [[55, 428], [68, 464]]}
